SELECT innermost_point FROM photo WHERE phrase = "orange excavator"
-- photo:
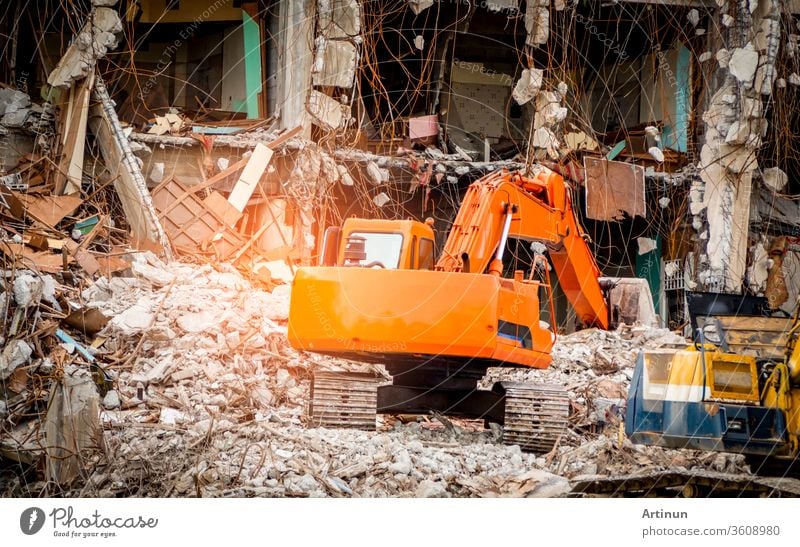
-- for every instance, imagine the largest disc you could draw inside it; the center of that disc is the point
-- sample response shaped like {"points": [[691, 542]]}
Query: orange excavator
{"points": [[378, 297]]}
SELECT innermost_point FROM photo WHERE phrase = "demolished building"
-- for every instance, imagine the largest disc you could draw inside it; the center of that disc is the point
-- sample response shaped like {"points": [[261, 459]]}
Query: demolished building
{"points": [[231, 134]]}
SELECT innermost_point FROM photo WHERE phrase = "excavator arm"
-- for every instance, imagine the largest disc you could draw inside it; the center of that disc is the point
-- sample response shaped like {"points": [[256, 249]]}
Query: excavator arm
{"points": [[505, 204]]}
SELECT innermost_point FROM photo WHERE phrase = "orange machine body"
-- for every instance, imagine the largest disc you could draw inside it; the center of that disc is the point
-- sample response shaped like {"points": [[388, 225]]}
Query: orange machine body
{"points": [[460, 312]]}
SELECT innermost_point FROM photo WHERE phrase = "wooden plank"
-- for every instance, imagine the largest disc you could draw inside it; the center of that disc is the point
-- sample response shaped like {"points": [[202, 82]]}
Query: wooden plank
{"points": [[250, 176], [217, 203], [49, 210], [28, 258], [70, 166]]}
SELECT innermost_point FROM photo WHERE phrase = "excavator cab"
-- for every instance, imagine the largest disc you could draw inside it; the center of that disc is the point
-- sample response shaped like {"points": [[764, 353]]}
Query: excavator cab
{"points": [[388, 244]]}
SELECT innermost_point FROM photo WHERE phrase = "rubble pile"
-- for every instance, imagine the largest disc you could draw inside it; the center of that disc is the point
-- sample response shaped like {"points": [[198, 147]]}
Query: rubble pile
{"points": [[200, 395]]}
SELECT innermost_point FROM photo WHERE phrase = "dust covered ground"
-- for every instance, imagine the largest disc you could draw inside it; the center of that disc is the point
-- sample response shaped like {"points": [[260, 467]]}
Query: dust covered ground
{"points": [[208, 399]]}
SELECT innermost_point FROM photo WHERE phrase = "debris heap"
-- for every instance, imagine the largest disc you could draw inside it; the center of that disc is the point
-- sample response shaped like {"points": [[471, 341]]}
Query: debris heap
{"points": [[197, 393]]}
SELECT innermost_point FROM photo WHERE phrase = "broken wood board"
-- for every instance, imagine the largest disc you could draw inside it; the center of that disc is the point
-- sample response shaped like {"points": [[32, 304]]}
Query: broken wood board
{"points": [[73, 128], [223, 208], [24, 257], [86, 260], [191, 225], [250, 176], [49, 210], [111, 264], [613, 188]]}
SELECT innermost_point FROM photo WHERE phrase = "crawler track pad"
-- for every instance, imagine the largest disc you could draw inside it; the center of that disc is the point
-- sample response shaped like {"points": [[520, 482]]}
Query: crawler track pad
{"points": [[343, 400], [535, 416]]}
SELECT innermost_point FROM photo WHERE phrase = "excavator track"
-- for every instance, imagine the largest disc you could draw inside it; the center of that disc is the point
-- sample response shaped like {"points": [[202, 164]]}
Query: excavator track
{"points": [[686, 484], [535, 415], [343, 400]]}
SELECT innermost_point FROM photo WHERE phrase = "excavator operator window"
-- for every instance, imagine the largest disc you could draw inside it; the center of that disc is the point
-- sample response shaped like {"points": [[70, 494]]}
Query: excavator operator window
{"points": [[382, 249], [517, 256], [425, 254]]}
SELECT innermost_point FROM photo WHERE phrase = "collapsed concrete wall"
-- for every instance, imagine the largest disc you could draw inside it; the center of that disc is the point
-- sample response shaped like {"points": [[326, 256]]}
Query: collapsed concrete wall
{"points": [[735, 125]]}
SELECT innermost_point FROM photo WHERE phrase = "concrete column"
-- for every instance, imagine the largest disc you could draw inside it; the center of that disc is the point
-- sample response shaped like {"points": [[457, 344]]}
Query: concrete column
{"points": [[295, 59]]}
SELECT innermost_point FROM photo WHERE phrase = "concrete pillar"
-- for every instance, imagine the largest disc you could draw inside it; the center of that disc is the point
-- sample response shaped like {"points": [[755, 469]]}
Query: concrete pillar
{"points": [[295, 58]]}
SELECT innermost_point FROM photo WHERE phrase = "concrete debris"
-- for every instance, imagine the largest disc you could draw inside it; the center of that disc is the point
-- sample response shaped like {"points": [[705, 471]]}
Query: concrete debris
{"points": [[775, 178], [528, 85], [758, 271], [743, 63], [72, 429], [381, 199], [418, 6], [537, 22], [111, 401], [339, 19], [334, 63], [646, 245], [327, 112], [794, 79], [213, 376], [723, 57], [15, 354], [656, 153], [545, 138], [99, 35], [549, 111], [693, 16]]}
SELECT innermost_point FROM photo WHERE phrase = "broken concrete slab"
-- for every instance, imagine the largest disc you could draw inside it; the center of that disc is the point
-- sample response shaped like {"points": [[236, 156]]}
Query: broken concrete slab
{"points": [[15, 354], [334, 63], [329, 113], [98, 35], [528, 85], [743, 64], [339, 18], [418, 6], [775, 178]]}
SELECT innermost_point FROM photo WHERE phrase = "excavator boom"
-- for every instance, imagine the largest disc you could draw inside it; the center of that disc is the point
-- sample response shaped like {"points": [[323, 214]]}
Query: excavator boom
{"points": [[540, 210]]}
